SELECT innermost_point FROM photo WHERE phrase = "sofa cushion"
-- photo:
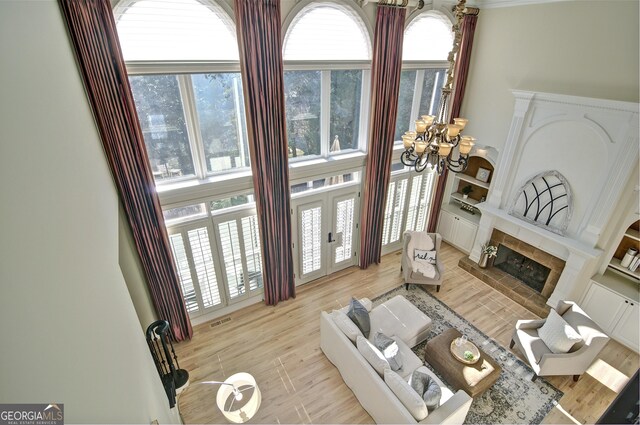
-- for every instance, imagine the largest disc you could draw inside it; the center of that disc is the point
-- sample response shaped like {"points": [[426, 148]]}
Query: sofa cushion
{"points": [[372, 355], [366, 302], [346, 325], [360, 316], [406, 395], [446, 392], [557, 334], [410, 361], [389, 349], [426, 386]]}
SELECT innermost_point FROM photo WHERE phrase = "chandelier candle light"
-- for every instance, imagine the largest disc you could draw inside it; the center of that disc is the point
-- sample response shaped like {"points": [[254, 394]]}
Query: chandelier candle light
{"points": [[435, 143]]}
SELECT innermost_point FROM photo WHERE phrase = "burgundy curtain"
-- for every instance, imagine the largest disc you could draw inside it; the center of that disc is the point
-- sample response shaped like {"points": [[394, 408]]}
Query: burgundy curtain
{"points": [[460, 81], [385, 83], [92, 31], [259, 37]]}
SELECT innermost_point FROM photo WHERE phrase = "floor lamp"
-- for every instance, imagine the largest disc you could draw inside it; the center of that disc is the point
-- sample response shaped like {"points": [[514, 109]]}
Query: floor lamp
{"points": [[238, 397]]}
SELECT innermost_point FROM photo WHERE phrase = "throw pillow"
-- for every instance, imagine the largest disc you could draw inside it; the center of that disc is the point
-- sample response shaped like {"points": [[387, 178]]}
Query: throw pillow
{"points": [[426, 386], [346, 325], [389, 349], [424, 255], [372, 355], [406, 395], [420, 240], [360, 316], [557, 334]]}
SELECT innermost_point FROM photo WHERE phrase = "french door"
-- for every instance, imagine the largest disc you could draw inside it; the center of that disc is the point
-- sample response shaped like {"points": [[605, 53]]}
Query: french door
{"points": [[325, 228]]}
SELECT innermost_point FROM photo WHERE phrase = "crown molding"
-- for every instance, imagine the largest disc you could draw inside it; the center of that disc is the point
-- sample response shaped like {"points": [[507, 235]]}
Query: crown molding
{"points": [[495, 4]]}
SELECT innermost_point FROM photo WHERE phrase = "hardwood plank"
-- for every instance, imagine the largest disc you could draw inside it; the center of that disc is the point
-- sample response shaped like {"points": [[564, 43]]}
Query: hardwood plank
{"points": [[280, 347]]}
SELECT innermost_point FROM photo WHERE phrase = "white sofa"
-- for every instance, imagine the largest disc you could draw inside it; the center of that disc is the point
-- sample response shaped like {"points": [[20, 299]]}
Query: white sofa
{"points": [[371, 390]]}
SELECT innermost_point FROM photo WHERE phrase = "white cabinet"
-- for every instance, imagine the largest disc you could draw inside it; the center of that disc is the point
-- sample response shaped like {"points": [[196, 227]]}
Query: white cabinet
{"points": [[615, 313], [457, 231], [627, 329]]}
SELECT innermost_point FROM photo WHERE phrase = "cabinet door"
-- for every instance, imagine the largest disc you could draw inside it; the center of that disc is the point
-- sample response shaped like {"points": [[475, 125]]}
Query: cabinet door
{"points": [[627, 330], [604, 306], [465, 234], [446, 226]]}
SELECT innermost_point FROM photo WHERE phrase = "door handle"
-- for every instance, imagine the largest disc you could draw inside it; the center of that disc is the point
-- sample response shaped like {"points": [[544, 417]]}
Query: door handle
{"points": [[330, 239]]}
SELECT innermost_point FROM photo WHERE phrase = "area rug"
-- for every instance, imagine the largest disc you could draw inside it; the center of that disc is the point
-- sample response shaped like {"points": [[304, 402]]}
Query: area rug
{"points": [[513, 399]]}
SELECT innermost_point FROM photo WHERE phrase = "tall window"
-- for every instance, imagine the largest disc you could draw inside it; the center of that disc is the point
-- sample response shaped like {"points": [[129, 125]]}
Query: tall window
{"points": [[193, 122], [427, 41], [327, 53], [182, 59]]}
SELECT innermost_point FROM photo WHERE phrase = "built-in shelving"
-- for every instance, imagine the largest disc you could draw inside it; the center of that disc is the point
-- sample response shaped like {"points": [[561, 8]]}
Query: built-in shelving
{"points": [[472, 180], [460, 197], [630, 239], [633, 234], [615, 264]]}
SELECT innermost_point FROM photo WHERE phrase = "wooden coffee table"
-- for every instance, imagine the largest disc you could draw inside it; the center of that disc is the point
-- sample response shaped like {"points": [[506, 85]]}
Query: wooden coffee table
{"points": [[474, 379]]}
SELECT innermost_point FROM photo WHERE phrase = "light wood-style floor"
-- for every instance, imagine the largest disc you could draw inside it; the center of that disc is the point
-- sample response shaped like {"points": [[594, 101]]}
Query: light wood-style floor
{"points": [[280, 347]]}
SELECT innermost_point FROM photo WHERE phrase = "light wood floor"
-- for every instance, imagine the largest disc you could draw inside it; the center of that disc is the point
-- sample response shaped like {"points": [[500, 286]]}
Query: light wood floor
{"points": [[280, 347]]}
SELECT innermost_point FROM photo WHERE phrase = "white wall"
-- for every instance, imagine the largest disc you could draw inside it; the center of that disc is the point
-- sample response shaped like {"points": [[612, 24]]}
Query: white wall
{"points": [[69, 330], [581, 48]]}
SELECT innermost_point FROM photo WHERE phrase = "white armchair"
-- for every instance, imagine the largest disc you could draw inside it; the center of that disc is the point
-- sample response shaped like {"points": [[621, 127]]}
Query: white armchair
{"points": [[411, 275], [577, 360]]}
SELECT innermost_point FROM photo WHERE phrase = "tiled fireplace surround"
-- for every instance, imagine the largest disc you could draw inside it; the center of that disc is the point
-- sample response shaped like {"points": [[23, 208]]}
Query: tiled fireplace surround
{"points": [[512, 287]]}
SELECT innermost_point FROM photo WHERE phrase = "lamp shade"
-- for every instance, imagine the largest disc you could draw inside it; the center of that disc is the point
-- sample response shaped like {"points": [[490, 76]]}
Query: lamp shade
{"points": [[240, 400]]}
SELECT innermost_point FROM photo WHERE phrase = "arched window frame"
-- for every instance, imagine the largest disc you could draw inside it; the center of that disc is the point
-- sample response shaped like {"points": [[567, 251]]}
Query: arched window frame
{"points": [[170, 189], [352, 158], [421, 67]]}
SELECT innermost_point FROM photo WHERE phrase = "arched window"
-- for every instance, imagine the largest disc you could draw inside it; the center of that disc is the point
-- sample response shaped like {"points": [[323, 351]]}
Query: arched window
{"points": [[428, 39], [192, 122], [327, 32], [327, 53], [161, 30]]}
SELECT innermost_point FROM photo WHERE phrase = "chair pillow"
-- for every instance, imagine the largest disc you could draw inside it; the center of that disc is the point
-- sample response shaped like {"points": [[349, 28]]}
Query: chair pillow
{"points": [[420, 240], [406, 395], [346, 325], [389, 349], [424, 255], [360, 316], [372, 355], [426, 386], [557, 334]]}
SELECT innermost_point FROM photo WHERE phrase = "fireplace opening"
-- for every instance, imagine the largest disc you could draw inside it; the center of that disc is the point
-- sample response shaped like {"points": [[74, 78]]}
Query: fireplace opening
{"points": [[524, 269]]}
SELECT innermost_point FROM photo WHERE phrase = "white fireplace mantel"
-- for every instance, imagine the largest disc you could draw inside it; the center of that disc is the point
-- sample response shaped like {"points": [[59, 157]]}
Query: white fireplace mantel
{"points": [[593, 143]]}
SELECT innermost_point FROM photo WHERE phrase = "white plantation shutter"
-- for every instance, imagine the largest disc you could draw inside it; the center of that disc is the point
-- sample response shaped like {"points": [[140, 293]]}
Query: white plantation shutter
{"points": [[419, 201], [344, 225], [184, 272], [394, 211], [388, 211], [425, 201], [203, 265], [232, 257], [311, 249], [251, 237], [413, 191], [414, 202]]}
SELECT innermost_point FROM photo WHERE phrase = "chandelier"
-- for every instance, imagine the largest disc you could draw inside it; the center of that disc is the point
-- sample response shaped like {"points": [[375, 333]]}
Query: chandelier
{"points": [[435, 143]]}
